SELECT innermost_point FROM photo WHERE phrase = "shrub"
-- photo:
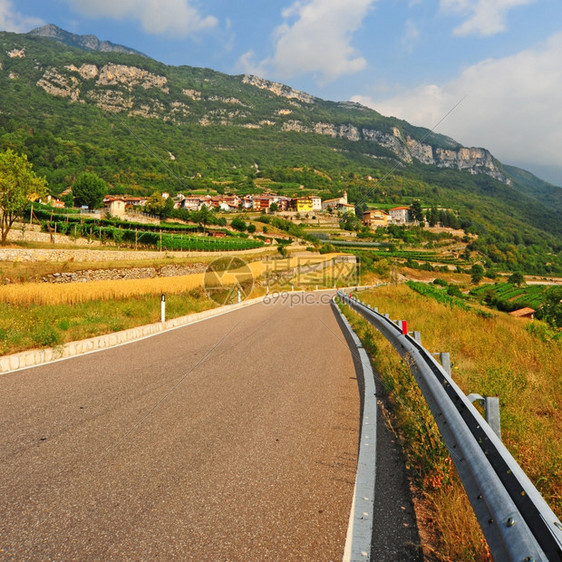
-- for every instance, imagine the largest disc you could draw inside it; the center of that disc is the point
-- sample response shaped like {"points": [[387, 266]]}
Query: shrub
{"points": [[454, 291], [238, 224]]}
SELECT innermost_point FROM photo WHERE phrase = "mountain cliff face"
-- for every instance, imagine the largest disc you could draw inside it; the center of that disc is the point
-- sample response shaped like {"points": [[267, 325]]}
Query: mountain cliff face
{"points": [[136, 91]]}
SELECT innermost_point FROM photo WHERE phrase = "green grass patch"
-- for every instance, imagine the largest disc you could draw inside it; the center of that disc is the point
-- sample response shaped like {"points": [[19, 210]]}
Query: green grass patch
{"points": [[438, 294], [506, 296], [34, 326]]}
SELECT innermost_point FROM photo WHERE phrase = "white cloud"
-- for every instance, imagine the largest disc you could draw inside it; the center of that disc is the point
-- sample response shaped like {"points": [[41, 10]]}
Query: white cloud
{"points": [[176, 17], [10, 20], [485, 17], [411, 36], [512, 105], [315, 38]]}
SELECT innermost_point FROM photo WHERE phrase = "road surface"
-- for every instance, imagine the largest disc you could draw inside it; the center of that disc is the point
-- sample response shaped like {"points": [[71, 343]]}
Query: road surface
{"points": [[231, 439]]}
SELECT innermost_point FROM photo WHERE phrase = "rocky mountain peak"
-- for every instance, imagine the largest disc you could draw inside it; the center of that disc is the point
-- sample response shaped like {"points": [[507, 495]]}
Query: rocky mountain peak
{"points": [[84, 42]]}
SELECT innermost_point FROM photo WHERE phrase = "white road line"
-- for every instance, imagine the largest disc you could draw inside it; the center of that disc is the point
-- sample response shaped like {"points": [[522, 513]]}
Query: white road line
{"points": [[360, 528]]}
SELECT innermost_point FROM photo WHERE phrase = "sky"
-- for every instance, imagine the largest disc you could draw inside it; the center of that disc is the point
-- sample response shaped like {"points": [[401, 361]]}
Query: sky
{"points": [[487, 73]]}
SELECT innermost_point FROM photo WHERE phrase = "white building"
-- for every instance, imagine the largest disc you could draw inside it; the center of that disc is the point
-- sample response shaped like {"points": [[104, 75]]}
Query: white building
{"points": [[334, 203], [399, 215]]}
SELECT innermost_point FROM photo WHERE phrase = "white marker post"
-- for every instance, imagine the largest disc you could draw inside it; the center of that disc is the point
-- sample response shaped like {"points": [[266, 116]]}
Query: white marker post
{"points": [[163, 308]]}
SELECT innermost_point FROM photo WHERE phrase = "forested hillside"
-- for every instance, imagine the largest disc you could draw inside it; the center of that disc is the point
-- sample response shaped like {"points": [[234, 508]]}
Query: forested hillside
{"points": [[144, 126]]}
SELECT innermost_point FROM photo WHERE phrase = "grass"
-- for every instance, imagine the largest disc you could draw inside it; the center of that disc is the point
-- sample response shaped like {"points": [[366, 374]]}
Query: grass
{"points": [[493, 356], [33, 325], [36, 315], [73, 293]]}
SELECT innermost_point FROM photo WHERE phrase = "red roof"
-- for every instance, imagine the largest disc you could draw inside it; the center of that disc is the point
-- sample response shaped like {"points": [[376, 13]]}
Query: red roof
{"points": [[522, 312]]}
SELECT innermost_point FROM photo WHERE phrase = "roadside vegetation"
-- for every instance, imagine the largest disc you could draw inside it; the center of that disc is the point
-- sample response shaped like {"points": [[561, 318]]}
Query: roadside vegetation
{"points": [[27, 326], [36, 314], [494, 355]]}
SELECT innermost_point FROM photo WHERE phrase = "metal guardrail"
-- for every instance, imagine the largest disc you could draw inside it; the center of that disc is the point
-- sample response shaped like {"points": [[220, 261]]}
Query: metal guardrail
{"points": [[515, 519]]}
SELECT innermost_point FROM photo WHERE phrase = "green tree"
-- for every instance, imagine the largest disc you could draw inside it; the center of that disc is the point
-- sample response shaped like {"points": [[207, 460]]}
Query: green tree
{"points": [[68, 200], [204, 216], [238, 224], [18, 185], [476, 273], [551, 309], [350, 222], [360, 208], [516, 279], [432, 216], [155, 204], [168, 208], [415, 211], [89, 189]]}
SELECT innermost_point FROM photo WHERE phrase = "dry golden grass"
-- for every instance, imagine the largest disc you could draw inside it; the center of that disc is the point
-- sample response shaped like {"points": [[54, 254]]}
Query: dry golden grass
{"points": [[71, 293], [490, 356]]}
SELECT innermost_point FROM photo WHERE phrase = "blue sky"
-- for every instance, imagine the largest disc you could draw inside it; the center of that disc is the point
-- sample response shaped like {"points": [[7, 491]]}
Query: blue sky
{"points": [[415, 59]]}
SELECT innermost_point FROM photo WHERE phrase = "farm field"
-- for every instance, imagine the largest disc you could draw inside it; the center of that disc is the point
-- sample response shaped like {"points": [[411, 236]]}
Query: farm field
{"points": [[519, 296], [45, 314]]}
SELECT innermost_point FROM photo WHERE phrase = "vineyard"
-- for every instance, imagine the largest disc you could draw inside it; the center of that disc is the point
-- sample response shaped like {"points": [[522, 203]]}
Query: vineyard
{"points": [[517, 296], [139, 235]]}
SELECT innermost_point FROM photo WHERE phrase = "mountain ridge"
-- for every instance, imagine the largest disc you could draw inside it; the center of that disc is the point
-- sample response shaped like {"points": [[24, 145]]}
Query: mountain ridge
{"points": [[143, 125], [444, 159], [87, 42]]}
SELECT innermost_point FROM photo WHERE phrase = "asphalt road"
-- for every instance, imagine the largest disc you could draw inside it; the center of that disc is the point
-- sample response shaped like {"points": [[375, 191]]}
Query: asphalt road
{"points": [[231, 439]]}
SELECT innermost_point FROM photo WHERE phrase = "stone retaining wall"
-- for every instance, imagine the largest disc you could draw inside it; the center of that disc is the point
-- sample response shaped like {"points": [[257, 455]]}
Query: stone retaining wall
{"points": [[115, 274], [97, 255], [32, 233]]}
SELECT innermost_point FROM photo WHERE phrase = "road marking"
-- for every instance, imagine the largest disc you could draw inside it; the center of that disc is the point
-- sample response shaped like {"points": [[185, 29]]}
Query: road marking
{"points": [[360, 528]]}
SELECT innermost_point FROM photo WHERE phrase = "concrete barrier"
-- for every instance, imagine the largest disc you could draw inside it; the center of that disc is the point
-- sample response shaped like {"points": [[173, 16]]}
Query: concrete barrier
{"points": [[34, 357]]}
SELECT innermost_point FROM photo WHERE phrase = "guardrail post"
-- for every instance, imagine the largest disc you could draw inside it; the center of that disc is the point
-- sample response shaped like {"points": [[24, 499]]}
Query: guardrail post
{"points": [[491, 405], [492, 410], [417, 336], [445, 359]]}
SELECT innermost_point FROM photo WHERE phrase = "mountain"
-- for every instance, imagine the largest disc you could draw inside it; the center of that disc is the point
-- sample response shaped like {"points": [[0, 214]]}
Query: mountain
{"points": [[85, 42], [143, 125]]}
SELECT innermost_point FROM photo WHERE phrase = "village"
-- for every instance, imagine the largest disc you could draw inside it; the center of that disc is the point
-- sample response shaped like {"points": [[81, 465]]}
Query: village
{"points": [[119, 206]]}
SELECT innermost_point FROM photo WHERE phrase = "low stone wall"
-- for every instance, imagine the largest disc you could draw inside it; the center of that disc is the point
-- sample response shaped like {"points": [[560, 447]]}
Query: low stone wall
{"points": [[32, 233], [97, 255], [115, 274]]}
